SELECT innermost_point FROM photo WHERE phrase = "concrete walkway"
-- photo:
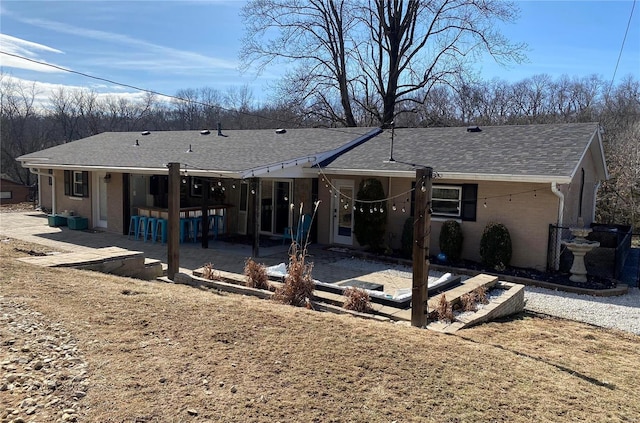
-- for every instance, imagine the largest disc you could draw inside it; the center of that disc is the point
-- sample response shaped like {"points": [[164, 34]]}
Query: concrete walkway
{"points": [[329, 266]]}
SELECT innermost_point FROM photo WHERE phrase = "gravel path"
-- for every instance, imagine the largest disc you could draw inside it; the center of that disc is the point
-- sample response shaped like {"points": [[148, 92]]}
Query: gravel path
{"points": [[621, 312]]}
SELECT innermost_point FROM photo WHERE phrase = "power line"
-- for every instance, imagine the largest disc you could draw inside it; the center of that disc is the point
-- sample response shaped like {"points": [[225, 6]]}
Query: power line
{"points": [[624, 39], [186, 100]]}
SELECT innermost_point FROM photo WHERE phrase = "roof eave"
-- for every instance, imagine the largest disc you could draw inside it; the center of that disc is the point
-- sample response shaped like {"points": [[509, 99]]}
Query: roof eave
{"points": [[542, 179]]}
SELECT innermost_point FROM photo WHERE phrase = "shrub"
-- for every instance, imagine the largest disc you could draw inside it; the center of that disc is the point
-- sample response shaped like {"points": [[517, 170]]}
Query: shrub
{"points": [[451, 240], [256, 275], [357, 299], [297, 289], [369, 225], [495, 246], [468, 302], [406, 242]]}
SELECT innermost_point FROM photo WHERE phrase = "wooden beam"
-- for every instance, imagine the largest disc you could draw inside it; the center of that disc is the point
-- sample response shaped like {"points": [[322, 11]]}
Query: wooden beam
{"points": [[173, 225], [421, 229]]}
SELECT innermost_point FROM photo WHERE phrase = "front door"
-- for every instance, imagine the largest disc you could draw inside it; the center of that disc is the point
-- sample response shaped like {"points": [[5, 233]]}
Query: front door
{"points": [[100, 181], [342, 206]]}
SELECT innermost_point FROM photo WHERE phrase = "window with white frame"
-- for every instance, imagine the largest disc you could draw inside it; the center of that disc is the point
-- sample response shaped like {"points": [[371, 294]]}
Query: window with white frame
{"points": [[77, 185], [446, 200]]}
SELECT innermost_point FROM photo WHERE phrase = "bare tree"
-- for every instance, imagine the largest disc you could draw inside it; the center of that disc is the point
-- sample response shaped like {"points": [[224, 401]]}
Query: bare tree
{"points": [[375, 55]]}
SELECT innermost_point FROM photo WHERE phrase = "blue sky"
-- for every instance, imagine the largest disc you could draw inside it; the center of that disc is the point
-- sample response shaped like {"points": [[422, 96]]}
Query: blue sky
{"points": [[170, 45]]}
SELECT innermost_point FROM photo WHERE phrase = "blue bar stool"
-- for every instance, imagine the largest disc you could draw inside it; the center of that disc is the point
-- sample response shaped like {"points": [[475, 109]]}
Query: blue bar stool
{"points": [[133, 226], [151, 228], [142, 227], [186, 228], [195, 226], [161, 230]]}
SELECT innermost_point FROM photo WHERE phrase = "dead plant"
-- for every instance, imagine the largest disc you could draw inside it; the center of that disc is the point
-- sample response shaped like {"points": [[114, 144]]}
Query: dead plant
{"points": [[444, 310], [297, 289], [256, 274], [357, 299], [468, 302], [208, 272], [480, 294]]}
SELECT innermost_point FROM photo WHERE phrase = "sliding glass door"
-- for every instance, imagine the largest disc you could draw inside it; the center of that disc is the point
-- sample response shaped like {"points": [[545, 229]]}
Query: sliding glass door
{"points": [[275, 198]]}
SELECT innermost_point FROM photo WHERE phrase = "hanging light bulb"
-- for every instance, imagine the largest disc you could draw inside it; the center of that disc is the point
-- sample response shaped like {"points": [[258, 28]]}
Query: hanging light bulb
{"points": [[403, 210], [361, 209], [286, 198], [233, 186], [423, 188], [326, 185], [341, 200], [195, 186], [375, 208], [253, 191], [184, 180], [370, 210], [485, 203], [393, 207], [223, 189], [346, 206], [219, 183], [381, 210]]}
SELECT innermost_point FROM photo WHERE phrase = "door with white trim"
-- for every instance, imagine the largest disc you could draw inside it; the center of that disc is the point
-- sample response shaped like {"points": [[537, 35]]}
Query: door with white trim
{"points": [[342, 208], [99, 199]]}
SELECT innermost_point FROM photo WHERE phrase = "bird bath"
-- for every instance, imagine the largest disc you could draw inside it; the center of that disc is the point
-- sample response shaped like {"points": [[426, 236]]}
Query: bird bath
{"points": [[579, 246]]}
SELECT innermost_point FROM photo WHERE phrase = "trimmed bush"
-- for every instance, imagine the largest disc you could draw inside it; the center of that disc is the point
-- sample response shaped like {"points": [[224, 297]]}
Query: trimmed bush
{"points": [[370, 226], [406, 242], [495, 246], [451, 240]]}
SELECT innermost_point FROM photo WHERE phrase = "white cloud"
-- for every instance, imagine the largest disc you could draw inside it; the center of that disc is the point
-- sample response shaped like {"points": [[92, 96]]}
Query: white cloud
{"points": [[43, 91], [145, 54], [28, 49]]}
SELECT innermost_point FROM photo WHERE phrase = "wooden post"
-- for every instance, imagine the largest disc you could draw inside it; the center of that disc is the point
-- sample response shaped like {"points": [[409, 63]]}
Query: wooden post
{"points": [[204, 222], [255, 184], [421, 229], [173, 226]]}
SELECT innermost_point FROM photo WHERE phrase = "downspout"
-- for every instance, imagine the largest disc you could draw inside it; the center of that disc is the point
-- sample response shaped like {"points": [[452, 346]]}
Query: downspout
{"points": [[53, 187], [560, 195]]}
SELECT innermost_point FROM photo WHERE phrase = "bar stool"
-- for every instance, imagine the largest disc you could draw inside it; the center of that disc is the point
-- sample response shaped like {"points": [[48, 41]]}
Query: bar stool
{"points": [[133, 226], [161, 230], [187, 229], [142, 227], [151, 228], [216, 222]]}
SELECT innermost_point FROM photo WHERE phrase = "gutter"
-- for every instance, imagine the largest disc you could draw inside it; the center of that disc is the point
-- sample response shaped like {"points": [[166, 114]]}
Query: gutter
{"points": [[560, 195], [36, 171]]}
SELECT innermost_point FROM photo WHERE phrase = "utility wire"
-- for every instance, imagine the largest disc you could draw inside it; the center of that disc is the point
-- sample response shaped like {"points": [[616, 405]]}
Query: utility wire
{"points": [[186, 100], [626, 32]]}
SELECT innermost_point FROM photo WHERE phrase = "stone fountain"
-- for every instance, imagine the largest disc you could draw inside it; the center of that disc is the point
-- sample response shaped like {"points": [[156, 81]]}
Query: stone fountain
{"points": [[579, 246]]}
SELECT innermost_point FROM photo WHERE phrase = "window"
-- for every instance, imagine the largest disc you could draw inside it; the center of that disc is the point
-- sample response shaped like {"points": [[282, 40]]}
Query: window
{"points": [[456, 201], [6, 195], [76, 183], [445, 200]]}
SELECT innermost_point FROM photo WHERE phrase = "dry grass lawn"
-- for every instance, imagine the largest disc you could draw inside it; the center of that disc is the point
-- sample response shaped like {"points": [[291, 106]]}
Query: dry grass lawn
{"points": [[156, 350]]}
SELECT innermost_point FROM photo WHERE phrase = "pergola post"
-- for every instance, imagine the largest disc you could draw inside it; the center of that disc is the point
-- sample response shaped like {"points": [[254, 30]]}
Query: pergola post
{"points": [[421, 239], [173, 225]]}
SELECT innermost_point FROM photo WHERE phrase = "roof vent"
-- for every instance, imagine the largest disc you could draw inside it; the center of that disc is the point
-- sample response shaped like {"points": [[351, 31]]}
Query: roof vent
{"points": [[281, 131], [145, 132], [205, 132], [473, 129]]}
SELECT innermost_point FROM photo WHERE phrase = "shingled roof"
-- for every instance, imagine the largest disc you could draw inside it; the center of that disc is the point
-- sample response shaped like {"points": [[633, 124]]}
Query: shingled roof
{"points": [[535, 153], [235, 151]]}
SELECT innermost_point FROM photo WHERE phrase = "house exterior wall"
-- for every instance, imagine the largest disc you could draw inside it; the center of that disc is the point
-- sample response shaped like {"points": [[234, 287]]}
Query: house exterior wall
{"points": [[115, 205], [571, 192], [80, 206], [45, 190], [525, 209]]}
